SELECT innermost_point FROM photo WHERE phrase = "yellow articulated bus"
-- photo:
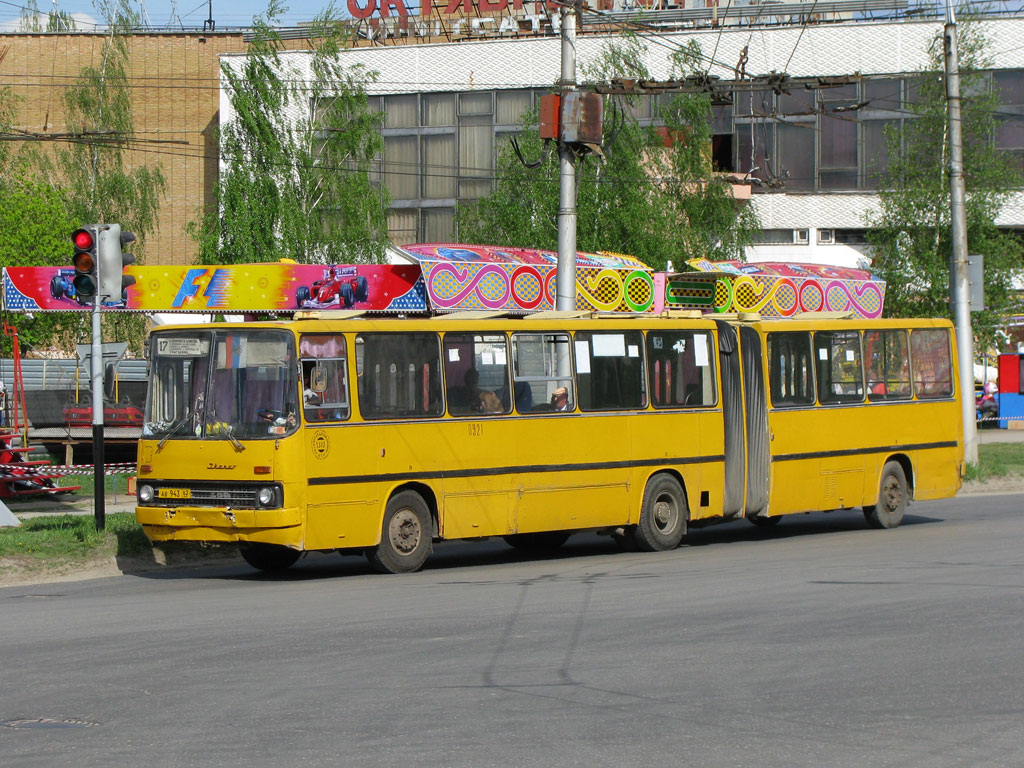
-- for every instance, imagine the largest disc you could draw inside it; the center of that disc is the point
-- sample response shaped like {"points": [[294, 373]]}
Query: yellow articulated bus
{"points": [[335, 431]]}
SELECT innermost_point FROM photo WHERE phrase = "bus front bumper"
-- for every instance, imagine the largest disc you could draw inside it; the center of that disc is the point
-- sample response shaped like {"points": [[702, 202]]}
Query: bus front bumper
{"points": [[221, 524]]}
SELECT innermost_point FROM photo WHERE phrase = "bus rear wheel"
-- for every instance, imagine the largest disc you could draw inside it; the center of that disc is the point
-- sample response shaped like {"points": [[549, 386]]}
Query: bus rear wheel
{"points": [[268, 557], [764, 522], [892, 498], [663, 515], [405, 537]]}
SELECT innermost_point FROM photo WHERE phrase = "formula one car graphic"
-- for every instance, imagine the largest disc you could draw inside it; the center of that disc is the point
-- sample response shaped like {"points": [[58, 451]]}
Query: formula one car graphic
{"points": [[339, 287], [62, 286]]}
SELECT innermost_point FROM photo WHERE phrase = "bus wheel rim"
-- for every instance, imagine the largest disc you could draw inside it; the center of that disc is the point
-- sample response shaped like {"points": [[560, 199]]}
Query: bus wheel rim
{"points": [[665, 514], [404, 531], [891, 493]]}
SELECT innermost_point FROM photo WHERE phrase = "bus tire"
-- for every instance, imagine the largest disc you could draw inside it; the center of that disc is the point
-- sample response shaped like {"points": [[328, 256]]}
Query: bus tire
{"points": [[268, 557], [405, 536], [892, 498], [663, 515], [542, 542], [764, 522]]}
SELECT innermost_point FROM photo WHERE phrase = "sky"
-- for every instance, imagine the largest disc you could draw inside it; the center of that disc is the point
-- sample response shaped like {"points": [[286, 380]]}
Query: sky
{"points": [[166, 13]]}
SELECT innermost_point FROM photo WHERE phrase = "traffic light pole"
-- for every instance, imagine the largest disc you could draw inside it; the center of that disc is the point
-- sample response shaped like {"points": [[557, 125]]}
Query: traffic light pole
{"points": [[97, 416]]}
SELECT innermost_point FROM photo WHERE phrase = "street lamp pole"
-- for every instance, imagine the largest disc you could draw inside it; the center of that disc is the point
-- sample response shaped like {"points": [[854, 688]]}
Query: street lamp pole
{"points": [[958, 280]]}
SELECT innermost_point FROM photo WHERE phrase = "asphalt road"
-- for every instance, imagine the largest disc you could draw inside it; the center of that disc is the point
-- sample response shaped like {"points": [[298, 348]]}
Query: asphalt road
{"points": [[817, 643]]}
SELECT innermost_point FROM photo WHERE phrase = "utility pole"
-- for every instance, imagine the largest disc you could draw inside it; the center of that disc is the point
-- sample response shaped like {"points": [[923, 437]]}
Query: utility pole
{"points": [[958, 275], [566, 282]]}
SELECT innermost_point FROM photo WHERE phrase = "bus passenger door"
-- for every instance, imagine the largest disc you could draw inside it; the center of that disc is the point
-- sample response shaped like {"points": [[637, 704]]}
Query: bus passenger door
{"points": [[745, 419], [756, 421], [732, 419]]}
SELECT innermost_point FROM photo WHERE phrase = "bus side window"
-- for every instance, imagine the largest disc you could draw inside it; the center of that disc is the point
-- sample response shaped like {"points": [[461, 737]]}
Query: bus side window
{"points": [[840, 374], [324, 377], [790, 369], [679, 368], [476, 374], [887, 359], [931, 362], [610, 370], [542, 373], [399, 375]]}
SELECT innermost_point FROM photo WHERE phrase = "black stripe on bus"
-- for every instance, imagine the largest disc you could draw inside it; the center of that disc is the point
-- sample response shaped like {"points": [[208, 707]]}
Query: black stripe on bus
{"points": [[526, 469], [864, 451]]}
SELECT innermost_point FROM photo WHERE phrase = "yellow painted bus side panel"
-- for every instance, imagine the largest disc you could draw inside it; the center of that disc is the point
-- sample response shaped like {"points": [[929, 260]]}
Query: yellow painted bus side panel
{"points": [[554, 495], [860, 439], [341, 513], [693, 435]]}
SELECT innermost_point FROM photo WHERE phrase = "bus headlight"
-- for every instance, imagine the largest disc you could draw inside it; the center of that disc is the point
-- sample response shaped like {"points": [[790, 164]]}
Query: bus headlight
{"points": [[265, 496], [145, 494]]}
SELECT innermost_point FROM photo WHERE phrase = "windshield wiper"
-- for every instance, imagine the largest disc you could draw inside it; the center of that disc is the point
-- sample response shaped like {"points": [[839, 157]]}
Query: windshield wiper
{"points": [[229, 433], [175, 428]]}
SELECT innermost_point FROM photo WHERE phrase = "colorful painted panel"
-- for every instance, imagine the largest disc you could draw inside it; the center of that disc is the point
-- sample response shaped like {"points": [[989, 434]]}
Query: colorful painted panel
{"points": [[781, 268], [461, 277], [237, 288], [773, 295]]}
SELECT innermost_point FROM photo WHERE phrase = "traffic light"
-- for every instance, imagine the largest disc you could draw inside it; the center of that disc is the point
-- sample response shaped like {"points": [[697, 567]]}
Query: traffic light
{"points": [[85, 261], [112, 261]]}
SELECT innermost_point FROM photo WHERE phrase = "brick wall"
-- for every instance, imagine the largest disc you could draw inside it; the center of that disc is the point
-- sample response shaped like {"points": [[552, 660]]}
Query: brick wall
{"points": [[175, 99]]}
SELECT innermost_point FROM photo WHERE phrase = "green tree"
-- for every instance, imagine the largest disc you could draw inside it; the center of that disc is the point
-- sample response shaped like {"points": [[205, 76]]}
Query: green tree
{"points": [[35, 222], [912, 232], [37, 228], [296, 160], [644, 199]]}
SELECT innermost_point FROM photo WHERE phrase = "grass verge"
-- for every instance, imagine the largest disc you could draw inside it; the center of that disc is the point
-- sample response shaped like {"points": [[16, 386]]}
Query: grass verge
{"points": [[73, 537], [61, 544], [997, 460]]}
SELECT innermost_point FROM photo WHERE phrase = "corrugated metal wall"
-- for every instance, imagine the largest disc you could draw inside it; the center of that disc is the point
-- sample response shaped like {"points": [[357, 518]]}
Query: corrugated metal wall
{"points": [[50, 388], [60, 374]]}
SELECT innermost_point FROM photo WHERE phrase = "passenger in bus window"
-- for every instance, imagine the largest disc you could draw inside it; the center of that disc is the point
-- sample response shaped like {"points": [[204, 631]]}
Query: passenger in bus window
{"points": [[560, 399], [310, 398], [476, 399], [524, 396]]}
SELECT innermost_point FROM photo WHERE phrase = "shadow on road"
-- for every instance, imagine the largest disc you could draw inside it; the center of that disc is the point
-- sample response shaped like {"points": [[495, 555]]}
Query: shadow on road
{"points": [[224, 563]]}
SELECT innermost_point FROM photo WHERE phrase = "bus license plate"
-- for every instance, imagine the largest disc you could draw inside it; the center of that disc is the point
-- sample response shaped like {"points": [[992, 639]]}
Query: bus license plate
{"points": [[174, 493]]}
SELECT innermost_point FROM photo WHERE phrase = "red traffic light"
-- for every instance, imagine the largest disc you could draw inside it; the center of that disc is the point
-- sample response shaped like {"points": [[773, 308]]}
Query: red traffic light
{"points": [[82, 239]]}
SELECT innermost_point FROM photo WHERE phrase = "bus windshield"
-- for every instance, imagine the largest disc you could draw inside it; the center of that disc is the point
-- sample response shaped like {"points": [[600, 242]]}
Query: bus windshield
{"points": [[235, 384]]}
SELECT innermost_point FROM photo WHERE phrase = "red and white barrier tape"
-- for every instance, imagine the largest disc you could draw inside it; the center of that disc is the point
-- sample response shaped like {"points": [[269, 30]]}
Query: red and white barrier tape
{"points": [[122, 468]]}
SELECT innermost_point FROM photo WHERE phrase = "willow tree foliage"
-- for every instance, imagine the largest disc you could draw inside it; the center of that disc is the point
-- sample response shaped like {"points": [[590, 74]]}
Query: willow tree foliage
{"points": [[912, 232], [101, 185], [296, 158], [34, 20], [654, 202]]}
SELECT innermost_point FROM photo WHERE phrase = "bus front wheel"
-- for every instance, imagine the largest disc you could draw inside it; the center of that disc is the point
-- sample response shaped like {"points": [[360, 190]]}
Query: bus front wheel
{"points": [[663, 515], [892, 498], [268, 557], [405, 537]]}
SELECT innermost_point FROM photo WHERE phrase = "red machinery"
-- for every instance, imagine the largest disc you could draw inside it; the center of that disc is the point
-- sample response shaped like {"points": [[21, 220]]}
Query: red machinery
{"points": [[20, 476]]}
